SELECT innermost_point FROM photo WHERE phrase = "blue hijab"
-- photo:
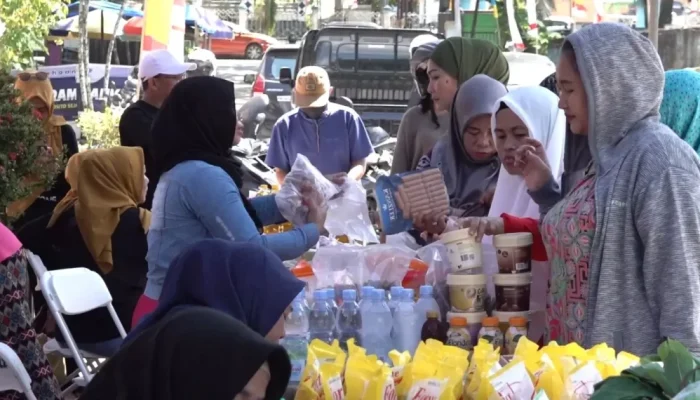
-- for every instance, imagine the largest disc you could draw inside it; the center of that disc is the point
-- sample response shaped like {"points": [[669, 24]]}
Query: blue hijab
{"points": [[680, 107], [243, 280]]}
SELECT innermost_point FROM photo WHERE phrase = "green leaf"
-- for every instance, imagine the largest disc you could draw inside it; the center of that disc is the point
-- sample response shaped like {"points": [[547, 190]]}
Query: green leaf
{"points": [[650, 358], [653, 374], [678, 363], [692, 377], [626, 388]]}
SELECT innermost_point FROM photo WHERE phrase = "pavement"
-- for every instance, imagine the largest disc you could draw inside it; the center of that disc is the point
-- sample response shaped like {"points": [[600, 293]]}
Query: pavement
{"points": [[234, 70]]}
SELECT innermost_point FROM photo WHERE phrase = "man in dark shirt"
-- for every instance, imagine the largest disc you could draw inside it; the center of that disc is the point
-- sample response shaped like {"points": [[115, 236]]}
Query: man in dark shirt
{"points": [[159, 71]]}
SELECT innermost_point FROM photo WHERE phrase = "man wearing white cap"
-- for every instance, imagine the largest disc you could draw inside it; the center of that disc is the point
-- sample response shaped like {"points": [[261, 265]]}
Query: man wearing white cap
{"points": [[159, 71]]}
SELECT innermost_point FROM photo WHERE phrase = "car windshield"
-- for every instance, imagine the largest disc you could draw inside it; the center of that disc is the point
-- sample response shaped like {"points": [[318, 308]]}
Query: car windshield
{"points": [[275, 61], [372, 57]]}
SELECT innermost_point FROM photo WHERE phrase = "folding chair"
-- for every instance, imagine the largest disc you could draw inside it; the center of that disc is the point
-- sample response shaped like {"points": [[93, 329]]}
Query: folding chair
{"points": [[76, 291], [37, 265], [13, 375]]}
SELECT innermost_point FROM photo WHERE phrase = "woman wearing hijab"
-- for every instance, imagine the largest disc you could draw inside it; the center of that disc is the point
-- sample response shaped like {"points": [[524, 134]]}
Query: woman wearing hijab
{"points": [[194, 353], [421, 126], [680, 107], [623, 243], [16, 322], [467, 157], [243, 280], [36, 88], [198, 195], [103, 230]]}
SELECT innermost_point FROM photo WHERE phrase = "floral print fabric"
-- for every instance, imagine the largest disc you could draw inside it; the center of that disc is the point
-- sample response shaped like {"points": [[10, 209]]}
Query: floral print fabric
{"points": [[567, 231]]}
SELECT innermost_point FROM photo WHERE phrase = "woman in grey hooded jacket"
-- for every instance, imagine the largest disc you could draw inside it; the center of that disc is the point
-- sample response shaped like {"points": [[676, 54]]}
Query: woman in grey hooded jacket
{"points": [[624, 242]]}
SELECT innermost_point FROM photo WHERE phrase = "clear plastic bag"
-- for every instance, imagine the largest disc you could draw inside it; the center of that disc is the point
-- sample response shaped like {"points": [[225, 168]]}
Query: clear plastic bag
{"points": [[290, 199], [348, 214], [435, 255]]}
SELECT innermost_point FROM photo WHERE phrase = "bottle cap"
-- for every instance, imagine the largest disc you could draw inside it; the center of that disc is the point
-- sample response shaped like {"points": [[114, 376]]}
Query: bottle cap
{"points": [[408, 294], [330, 293], [320, 294], [366, 290], [349, 295], [378, 294], [490, 322], [426, 290], [458, 321], [396, 291], [432, 314], [518, 321]]}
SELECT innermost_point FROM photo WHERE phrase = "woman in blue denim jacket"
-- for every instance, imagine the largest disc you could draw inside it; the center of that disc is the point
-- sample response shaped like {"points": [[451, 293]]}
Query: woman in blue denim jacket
{"points": [[198, 195]]}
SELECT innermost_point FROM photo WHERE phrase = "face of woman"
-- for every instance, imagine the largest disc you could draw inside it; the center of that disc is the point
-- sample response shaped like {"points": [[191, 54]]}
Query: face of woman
{"points": [[477, 138], [572, 95], [40, 107], [277, 332], [238, 133], [257, 385], [510, 134], [442, 87]]}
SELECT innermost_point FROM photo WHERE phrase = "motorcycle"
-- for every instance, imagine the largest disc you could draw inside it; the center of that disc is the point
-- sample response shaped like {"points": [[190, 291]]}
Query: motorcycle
{"points": [[251, 152]]}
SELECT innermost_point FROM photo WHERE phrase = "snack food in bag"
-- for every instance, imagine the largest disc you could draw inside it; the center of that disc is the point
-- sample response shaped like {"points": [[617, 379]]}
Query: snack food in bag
{"points": [[437, 372], [367, 378], [323, 376], [484, 363], [544, 375], [399, 361], [512, 382]]}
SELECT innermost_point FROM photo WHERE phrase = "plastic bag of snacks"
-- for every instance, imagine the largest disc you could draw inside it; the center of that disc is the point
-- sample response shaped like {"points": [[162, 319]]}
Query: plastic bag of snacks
{"points": [[367, 378], [436, 372], [323, 375], [484, 364], [399, 362]]}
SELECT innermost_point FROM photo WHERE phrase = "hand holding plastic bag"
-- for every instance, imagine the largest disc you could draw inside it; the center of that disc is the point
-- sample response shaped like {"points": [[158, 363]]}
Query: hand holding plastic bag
{"points": [[348, 213]]}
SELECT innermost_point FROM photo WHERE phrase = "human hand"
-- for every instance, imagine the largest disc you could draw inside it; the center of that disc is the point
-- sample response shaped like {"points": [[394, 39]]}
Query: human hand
{"points": [[430, 223], [532, 161], [487, 196], [314, 202], [338, 179], [481, 226]]}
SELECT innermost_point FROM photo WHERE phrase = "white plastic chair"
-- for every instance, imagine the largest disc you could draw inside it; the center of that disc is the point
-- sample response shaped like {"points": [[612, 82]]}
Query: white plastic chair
{"points": [[76, 291], [13, 375], [37, 265]]}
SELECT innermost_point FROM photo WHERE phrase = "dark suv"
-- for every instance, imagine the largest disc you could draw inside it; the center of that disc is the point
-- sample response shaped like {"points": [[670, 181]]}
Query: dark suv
{"points": [[266, 81]]}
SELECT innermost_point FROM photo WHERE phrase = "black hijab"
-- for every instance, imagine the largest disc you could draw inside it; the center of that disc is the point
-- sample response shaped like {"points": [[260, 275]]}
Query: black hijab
{"points": [[195, 353], [197, 122]]}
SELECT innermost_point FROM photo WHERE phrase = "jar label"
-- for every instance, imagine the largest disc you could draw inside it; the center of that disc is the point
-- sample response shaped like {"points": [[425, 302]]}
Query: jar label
{"points": [[459, 338], [513, 260], [464, 256], [467, 298], [513, 298]]}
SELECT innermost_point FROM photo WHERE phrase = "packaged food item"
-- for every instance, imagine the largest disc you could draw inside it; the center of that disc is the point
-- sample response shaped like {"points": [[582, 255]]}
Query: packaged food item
{"points": [[437, 372], [473, 322], [323, 375], [512, 291], [491, 332], [463, 252], [399, 361], [433, 328], [367, 378], [401, 197], [484, 363], [467, 292], [516, 331], [458, 334], [513, 252], [512, 382], [581, 381]]}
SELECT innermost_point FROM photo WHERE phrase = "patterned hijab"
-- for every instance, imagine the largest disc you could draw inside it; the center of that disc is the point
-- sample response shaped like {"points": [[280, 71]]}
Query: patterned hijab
{"points": [[680, 107]]}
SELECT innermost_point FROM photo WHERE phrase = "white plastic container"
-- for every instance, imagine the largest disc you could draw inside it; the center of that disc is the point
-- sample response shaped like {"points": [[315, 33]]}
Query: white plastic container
{"points": [[513, 252], [467, 292], [463, 252]]}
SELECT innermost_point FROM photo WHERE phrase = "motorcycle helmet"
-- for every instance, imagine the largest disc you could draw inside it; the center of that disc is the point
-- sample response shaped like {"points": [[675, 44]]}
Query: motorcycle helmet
{"points": [[205, 61]]}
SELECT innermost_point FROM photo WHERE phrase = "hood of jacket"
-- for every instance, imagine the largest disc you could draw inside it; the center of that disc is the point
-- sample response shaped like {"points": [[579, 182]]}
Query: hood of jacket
{"points": [[621, 94]]}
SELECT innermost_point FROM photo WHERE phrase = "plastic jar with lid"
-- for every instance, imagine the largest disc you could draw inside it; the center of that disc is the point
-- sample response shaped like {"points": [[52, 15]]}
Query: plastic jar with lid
{"points": [[491, 331], [513, 252], [512, 291], [516, 330], [463, 252], [467, 292], [458, 334]]}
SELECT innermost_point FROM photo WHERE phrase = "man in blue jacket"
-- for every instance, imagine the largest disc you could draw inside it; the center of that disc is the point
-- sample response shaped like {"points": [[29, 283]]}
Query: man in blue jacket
{"points": [[331, 136]]}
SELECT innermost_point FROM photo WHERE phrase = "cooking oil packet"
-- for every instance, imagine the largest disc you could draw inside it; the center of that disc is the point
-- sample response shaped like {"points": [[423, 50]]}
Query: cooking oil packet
{"points": [[323, 374]]}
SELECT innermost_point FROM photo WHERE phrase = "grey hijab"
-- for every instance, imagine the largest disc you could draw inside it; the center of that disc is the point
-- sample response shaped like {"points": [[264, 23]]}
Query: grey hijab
{"points": [[467, 179]]}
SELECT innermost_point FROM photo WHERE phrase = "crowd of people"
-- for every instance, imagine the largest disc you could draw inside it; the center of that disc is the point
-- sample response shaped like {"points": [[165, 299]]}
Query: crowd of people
{"points": [[600, 165]]}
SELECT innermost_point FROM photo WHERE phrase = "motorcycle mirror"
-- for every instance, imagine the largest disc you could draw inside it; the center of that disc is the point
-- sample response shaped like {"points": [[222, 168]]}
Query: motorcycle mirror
{"points": [[286, 76], [253, 107], [260, 118], [249, 79]]}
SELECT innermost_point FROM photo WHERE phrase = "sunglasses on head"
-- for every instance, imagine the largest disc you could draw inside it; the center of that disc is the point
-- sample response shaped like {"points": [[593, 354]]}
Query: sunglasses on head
{"points": [[39, 76]]}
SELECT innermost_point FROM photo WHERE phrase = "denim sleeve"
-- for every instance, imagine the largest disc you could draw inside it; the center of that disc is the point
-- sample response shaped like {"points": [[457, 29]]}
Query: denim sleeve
{"points": [[267, 210], [277, 156], [360, 145], [215, 199]]}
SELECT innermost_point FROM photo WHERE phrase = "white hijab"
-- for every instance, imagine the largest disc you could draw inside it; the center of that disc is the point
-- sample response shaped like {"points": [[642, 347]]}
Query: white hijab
{"points": [[538, 108]]}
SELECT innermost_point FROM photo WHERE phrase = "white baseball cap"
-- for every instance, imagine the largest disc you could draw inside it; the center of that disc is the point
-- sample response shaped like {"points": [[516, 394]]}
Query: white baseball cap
{"points": [[162, 62]]}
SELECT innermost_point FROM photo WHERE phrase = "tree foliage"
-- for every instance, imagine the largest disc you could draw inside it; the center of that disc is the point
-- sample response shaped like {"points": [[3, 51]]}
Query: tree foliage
{"points": [[27, 23], [25, 164]]}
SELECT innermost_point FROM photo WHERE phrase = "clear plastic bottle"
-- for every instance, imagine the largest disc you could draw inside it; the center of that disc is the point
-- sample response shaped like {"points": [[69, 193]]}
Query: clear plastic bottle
{"points": [[349, 319], [406, 328], [426, 302], [296, 339], [395, 297], [330, 297], [321, 318], [366, 297], [376, 331]]}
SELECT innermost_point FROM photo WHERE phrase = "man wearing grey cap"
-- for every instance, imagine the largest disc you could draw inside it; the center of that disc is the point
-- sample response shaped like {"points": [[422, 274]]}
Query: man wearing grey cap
{"points": [[421, 126]]}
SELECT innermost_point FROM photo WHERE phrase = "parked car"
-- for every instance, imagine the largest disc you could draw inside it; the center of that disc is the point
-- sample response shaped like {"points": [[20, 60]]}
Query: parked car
{"points": [[244, 44], [527, 69], [267, 82]]}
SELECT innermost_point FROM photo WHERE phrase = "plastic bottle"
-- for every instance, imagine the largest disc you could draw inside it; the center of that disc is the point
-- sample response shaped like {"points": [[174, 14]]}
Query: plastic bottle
{"points": [[330, 293], [296, 339], [395, 297], [433, 328], [349, 319], [376, 331], [458, 335], [366, 295], [491, 331], [406, 328], [516, 330], [321, 319], [426, 302]]}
